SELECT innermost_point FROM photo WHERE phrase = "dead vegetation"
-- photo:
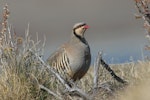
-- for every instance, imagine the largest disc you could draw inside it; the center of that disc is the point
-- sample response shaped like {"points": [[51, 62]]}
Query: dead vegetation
{"points": [[24, 75]]}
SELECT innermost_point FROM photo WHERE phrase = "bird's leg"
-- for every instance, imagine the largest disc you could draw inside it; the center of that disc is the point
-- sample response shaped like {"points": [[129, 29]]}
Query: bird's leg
{"points": [[72, 83]]}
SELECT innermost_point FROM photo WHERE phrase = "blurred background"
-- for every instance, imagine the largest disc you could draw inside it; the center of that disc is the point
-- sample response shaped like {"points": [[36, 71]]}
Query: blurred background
{"points": [[113, 27]]}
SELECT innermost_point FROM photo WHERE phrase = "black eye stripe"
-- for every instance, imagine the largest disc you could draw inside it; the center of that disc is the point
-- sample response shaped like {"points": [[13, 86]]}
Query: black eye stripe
{"points": [[79, 26]]}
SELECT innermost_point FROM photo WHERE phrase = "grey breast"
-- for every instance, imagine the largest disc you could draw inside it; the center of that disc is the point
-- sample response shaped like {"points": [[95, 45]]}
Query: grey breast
{"points": [[80, 58]]}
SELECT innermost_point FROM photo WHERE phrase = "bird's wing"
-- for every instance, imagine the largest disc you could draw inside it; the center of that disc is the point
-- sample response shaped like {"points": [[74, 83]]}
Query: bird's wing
{"points": [[60, 62]]}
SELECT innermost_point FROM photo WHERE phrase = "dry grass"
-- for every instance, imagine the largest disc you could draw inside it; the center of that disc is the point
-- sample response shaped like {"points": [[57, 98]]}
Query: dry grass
{"points": [[21, 73], [138, 77], [136, 74]]}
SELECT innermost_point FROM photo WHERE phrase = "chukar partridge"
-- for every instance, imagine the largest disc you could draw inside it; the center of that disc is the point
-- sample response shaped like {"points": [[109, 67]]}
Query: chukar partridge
{"points": [[72, 59]]}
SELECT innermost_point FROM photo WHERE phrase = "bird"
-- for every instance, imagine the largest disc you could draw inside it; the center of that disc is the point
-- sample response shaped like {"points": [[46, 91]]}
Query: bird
{"points": [[73, 58]]}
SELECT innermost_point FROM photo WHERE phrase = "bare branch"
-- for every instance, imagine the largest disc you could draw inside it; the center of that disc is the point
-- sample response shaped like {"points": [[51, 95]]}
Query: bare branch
{"points": [[75, 90], [46, 89], [50, 92], [144, 11], [96, 69], [106, 66]]}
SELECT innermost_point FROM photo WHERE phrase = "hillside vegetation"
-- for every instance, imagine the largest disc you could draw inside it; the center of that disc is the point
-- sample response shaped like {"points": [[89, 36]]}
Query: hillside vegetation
{"points": [[25, 76]]}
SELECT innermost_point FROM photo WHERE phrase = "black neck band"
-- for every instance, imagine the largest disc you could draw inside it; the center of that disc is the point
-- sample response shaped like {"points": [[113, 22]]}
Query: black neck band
{"points": [[79, 37]]}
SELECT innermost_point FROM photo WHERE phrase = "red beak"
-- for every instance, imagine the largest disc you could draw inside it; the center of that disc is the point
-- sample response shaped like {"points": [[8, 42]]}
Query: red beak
{"points": [[86, 27]]}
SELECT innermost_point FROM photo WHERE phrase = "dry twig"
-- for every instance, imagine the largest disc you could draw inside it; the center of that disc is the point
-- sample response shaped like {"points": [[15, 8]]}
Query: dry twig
{"points": [[106, 66], [96, 70], [50, 92], [144, 11]]}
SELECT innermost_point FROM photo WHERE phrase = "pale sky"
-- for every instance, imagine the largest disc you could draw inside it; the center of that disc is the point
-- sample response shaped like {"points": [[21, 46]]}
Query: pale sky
{"points": [[113, 27]]}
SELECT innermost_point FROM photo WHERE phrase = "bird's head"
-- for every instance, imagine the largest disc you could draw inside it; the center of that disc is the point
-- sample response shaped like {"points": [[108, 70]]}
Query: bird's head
{"points": [[80, 28]]}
